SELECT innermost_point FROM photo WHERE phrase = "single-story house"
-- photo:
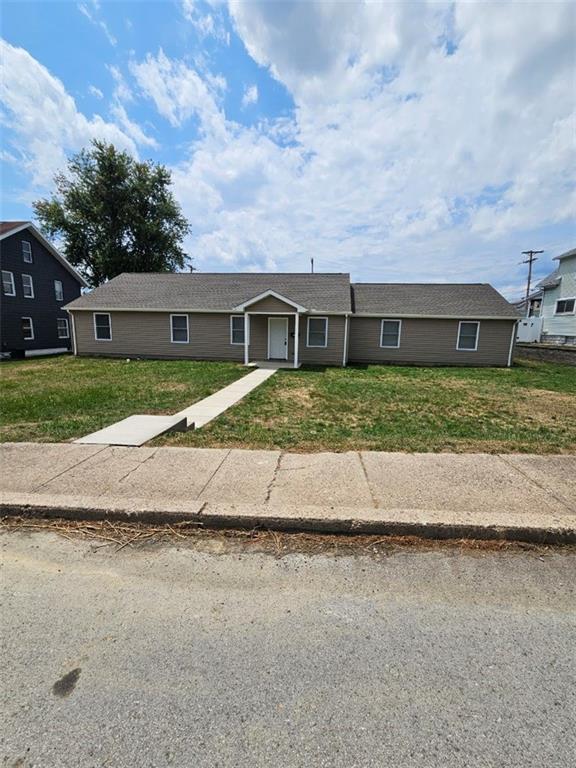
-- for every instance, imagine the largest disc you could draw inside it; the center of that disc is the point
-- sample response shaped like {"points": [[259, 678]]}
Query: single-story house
{"points": [[293, 318]]}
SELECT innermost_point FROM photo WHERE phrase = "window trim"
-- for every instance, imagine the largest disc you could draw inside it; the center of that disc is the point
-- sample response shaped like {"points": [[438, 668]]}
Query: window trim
{"points": [[237, 343], [31, 259], [31, 286], [468, 349], [565, 298], [174, 341], [106, 314], [317, 346], [61, 284], [390, 320], [29, 338], [12, 281], [64, 320]]}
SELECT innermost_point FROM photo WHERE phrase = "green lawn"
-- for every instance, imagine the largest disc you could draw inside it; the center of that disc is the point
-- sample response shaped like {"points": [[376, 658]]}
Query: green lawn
{"points": [[59, 398], [528, 408], [531, 407]]}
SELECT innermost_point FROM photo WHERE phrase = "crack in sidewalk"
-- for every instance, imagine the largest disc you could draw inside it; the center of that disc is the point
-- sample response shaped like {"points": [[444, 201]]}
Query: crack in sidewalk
{"points": [[140, 464], [68, 469], [213, 475], [526, 476], [270, 485], [365, 472]]}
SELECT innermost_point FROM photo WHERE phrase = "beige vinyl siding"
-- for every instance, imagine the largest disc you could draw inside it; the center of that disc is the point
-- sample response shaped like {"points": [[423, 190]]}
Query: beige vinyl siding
{"points": [[430, 342], [333, 353], [147, 334], [330, 355], [270, 304]]}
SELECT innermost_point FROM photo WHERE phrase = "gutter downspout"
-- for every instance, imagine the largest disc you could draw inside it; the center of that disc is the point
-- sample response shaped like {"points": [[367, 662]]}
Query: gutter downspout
{"points": [[512, 339], [345, 352], [74, 346]]}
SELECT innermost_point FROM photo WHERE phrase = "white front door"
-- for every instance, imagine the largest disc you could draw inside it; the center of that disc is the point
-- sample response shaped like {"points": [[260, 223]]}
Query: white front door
{"points": [[278, 338]]}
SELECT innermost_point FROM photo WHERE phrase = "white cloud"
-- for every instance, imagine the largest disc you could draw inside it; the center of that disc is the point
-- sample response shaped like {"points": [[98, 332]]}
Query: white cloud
{"points": [[41, 120], [95, 91], [90, 11], [250, 96], [179, 92], [206, 24], [425, 141]]}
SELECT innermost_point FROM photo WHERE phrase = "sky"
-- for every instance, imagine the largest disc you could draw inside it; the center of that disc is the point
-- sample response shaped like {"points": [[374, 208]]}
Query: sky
{"points": [[416, 142]]}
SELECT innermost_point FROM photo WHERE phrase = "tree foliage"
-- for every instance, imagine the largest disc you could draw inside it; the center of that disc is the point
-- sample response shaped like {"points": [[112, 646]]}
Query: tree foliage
{"points": [[114, 214]]}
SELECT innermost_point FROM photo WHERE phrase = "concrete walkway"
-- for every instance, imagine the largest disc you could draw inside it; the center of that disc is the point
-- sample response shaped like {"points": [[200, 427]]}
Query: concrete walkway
{"points": [[441, 495], [139, 429]]}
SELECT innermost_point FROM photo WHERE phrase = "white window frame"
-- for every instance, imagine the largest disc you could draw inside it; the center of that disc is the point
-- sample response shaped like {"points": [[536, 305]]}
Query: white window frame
{"points": [[29, 338], [565, 298], [59, 292], [237, 343], [180, 314], [469, 349], [390, 320], [12, 283], [28, 252], [317, 346], [105, 314], [24, 286], [64, 320]]}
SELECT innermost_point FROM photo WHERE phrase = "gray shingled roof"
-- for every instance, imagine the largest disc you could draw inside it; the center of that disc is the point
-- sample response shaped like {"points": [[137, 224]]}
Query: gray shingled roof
{"points": [[567, 255], [550, 281], [461, 300], [216, 291]]}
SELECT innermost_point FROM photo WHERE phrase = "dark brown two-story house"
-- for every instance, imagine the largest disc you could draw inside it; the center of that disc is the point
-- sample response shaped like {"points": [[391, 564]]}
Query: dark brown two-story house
{"points": [[37, 282]]}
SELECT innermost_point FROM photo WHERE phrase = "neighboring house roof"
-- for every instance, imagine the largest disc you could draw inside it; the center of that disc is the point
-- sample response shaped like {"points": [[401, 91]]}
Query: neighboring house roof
{"points": [[550, 281], [199, 291], [460, 300], [9, 228], [566, 255]]}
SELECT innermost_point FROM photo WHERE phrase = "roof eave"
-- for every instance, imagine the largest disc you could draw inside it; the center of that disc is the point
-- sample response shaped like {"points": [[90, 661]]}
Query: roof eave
{"points": [[48, 245]]}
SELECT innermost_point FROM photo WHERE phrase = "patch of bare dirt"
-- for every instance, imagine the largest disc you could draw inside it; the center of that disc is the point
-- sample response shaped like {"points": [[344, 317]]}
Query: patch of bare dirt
{"points": [[300, 396]]}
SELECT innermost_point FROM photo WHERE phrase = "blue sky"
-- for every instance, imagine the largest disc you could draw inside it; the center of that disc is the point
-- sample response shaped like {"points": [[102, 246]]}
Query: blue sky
{"points": [[400, 142]]}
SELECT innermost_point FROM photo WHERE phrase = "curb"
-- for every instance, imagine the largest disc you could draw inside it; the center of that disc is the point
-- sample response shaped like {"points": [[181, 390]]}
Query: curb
{"points": [[424, 524]]}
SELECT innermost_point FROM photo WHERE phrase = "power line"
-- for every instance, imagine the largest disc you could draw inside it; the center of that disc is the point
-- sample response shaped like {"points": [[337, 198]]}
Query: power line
{"points": [[530, 260]]}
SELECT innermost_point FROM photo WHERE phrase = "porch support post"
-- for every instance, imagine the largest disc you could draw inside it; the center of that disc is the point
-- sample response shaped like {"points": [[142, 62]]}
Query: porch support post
{"points": [[246, 338], [296, 337]]}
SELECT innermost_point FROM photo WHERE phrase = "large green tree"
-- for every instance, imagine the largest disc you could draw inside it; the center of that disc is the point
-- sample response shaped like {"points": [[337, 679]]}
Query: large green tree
{"points": [[114, 214]]}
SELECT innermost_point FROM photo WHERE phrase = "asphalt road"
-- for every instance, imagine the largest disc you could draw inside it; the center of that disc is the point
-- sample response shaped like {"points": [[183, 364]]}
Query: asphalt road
{"points": [[178, 657]]}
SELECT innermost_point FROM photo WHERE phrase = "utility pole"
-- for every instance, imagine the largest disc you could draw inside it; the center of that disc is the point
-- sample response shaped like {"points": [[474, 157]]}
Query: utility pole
{"points": [[312, 265], [530, 260]]}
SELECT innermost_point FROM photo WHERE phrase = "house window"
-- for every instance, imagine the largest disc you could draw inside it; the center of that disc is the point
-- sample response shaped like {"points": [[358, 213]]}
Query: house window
{"points": [[317, 332], [27, 329], [27, 286], [468, 336], [8, 283], [390, 333], [102, 327], [58, 290], [26, 252], [237, 329], [63, 330], [179, 329], [565, 306]]}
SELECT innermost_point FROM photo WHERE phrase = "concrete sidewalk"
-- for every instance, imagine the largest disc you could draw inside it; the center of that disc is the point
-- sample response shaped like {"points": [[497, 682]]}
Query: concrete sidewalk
{"points": [[442, 495]]}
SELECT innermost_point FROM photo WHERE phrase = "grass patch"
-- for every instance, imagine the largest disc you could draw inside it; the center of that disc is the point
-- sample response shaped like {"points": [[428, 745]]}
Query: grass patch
{"points": [[528, 408], [58, 398]]}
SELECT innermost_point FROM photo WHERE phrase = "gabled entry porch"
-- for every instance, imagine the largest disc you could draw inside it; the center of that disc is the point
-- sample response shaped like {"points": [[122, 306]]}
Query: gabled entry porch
{"points": [[272, 339]]}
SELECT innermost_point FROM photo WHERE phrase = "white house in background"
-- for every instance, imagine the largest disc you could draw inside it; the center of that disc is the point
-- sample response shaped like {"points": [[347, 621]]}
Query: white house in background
{"points": [[558, 309], [551, 315]]}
